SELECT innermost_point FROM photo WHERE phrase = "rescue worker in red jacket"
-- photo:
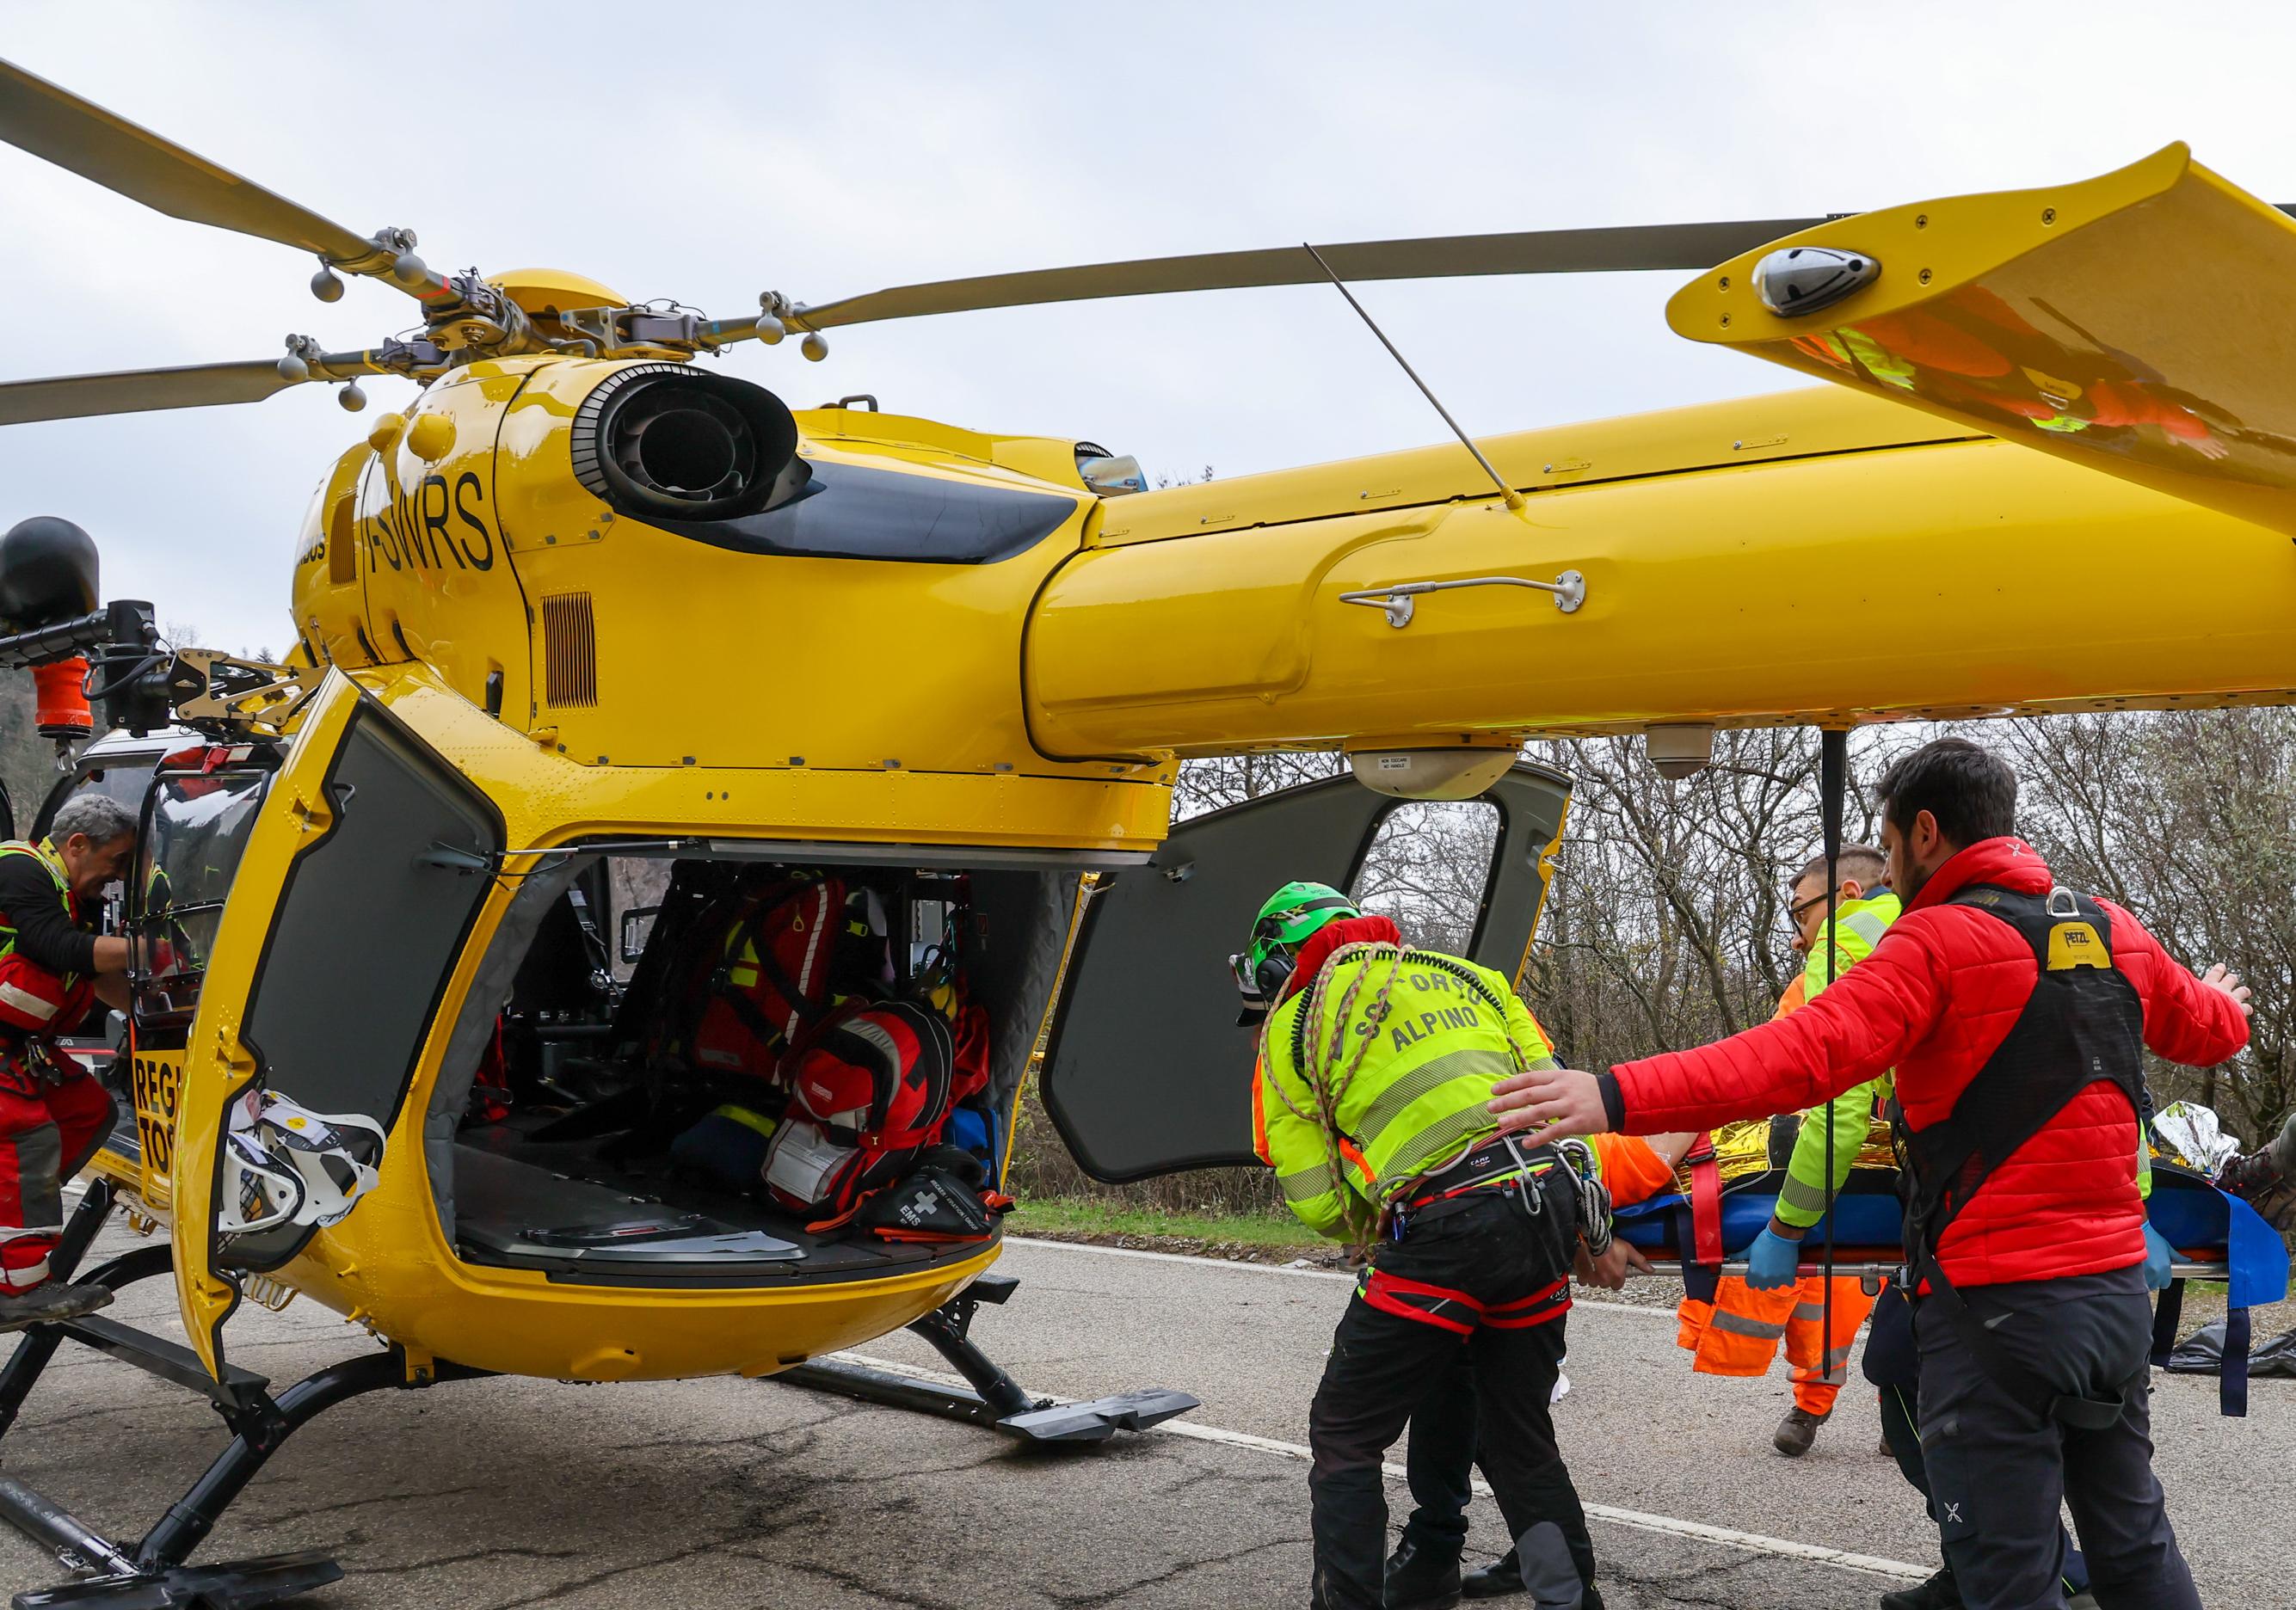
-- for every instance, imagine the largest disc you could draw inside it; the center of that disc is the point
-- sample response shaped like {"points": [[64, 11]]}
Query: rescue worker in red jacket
{"points": [[54, 1114], [2015, 1014]]}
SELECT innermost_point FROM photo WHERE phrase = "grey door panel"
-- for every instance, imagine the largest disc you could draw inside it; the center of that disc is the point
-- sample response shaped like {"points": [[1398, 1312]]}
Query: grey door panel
{"points": [[1145, 1072], [366, 936]]}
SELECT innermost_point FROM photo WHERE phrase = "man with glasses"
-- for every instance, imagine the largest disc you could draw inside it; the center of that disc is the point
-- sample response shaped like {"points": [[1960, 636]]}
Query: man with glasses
{"points": [[1735, 1330]]}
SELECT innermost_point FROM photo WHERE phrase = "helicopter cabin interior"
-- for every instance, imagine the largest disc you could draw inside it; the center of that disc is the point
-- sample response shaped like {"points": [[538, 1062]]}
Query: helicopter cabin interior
{"points": [[608, 1092], [612, 1098]]}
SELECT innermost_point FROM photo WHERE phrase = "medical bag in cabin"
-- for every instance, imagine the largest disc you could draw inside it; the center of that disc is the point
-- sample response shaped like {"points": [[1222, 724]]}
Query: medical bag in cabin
{"points": [[945, 1199], [869, 1088], [765, 962]]}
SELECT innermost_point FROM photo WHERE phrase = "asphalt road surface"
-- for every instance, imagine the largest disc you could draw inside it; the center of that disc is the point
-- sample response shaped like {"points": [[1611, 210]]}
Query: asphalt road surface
{"points": [[741, 1495]]}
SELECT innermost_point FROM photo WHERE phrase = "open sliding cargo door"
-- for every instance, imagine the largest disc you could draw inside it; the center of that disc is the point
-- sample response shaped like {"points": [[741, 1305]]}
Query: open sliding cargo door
{"points": [[1145, 1071], [354, 882]]}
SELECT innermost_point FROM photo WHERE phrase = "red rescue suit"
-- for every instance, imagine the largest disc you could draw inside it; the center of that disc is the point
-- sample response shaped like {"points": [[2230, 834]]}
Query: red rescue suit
{"points": [[53, 1113]]}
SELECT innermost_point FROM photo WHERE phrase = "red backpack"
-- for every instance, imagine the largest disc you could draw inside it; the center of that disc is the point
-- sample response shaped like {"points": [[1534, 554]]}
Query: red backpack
{"points": [[868, 1089], [768, 951]]}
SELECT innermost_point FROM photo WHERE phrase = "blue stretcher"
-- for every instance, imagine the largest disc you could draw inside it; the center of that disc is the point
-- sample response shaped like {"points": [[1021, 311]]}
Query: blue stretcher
{"points": [[2217, 1236]]}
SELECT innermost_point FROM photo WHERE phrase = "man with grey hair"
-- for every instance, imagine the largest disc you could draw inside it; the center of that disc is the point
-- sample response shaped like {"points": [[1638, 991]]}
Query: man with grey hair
{"points": [[53, 970]]}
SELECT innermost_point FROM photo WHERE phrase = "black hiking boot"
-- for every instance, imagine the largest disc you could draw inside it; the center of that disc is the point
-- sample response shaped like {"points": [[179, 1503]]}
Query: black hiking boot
{"points": [[1502, 1576], [1419, 1579], [54, 1301], [1937, 1593]]}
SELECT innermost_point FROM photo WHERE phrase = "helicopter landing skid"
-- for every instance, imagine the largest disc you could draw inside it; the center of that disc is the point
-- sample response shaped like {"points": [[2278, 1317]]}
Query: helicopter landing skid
{"points": [[242, 1585], [151, 1575], [992, 1398]]}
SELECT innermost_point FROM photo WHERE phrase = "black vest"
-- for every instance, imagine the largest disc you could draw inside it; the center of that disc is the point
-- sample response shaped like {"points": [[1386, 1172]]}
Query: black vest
{"points": [[2084, 1022]]}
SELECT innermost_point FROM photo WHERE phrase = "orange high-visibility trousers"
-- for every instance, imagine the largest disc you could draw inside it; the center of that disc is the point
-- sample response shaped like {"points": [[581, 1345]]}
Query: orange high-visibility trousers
{"points": [[1738, 1334]]}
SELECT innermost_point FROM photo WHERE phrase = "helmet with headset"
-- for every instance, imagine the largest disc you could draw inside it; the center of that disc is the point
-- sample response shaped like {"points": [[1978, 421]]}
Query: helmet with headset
{"points": [[1287, 919]]}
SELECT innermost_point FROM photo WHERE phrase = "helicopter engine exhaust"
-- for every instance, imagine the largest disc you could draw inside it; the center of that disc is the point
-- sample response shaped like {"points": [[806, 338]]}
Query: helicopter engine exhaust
{"points": [[663, 441], [688, 451]]}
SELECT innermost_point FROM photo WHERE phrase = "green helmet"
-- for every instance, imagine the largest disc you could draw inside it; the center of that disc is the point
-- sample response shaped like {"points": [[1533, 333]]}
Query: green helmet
{"points": [[1292, 913]]}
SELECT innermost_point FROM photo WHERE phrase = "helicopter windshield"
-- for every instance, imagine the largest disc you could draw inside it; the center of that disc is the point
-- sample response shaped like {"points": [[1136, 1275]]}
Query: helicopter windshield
{"points": [[196, 831]]}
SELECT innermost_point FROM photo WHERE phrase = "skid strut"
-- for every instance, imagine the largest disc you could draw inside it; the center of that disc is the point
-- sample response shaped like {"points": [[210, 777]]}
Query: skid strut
{"points": [[993, 1398], [152, 1574]]}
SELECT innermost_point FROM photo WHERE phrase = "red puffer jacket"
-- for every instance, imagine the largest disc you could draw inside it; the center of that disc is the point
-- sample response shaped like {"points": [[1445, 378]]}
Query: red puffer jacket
{"points": [[1935, 998]]}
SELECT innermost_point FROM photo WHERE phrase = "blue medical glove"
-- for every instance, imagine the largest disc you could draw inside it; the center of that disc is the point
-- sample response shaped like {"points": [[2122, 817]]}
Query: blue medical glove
{"points": [[2158, 1256], [1773, 1262]]}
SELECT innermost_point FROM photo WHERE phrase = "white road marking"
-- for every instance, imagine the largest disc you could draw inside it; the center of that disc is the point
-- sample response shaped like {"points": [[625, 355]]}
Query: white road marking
{"points": [[1181, 1257], [1279, 1269], [1750, 1542]]}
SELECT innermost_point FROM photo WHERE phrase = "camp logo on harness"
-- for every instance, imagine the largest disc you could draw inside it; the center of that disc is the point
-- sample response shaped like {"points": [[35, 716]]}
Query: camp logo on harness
{"points": [[2073, 945]]}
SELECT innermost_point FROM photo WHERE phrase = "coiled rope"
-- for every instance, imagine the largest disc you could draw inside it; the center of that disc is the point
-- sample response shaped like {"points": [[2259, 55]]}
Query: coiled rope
{"points": [[1593, 1195], [1320, 1068]]}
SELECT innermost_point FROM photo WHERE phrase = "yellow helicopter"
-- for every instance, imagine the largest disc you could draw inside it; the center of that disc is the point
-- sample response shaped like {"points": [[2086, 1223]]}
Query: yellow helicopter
{"points": [[587, 618]]}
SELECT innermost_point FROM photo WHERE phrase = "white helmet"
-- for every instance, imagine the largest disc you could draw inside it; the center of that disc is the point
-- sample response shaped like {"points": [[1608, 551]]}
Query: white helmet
{"points": [[284, 1163]]}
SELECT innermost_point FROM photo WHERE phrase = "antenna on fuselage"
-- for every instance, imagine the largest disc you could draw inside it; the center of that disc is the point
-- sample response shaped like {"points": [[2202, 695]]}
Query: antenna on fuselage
{"points": [[1514, 500]]}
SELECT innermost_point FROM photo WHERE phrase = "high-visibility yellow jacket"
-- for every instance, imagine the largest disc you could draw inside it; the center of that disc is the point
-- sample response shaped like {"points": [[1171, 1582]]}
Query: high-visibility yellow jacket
{"points": [[1434, 1032], [1857, 927]]}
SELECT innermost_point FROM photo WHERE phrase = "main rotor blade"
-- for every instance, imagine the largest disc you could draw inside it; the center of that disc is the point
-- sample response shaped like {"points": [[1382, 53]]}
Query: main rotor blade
{"points": [[53, 123], [1630, 248], [140, 390]]}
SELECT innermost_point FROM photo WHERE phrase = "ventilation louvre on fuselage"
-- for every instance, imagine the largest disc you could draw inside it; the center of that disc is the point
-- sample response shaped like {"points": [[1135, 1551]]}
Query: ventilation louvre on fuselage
{"points": [[570, 650]]}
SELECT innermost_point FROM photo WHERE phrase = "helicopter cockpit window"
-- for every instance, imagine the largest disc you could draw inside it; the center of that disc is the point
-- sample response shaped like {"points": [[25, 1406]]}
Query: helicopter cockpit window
{"points": [[856, 511], [198, 829]]}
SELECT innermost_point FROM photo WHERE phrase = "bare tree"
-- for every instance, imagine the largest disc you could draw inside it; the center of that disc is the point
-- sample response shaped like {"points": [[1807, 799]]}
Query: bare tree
{"points": [[1667, 923], [2187, 818], [1222, 780]]}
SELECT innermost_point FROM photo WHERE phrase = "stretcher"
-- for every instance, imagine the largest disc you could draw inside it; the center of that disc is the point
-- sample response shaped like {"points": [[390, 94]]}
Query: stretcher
{"points": [[1704, 1231]]}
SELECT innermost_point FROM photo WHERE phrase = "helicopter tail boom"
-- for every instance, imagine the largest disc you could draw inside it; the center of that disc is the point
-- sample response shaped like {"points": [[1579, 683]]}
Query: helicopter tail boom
{"points": [[1908, 578]]}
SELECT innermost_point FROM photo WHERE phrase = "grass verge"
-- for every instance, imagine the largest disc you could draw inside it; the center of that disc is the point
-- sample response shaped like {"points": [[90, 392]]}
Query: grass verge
{"points": [[1082, 1216]]}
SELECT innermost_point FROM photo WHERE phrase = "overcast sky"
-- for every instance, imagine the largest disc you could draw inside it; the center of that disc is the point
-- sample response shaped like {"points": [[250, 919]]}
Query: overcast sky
{"points": [[708, 151]]}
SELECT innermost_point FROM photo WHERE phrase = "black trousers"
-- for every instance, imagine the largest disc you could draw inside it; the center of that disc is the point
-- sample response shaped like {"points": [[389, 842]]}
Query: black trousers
{"points": [[1437, 1468], [1439, 1462], [1998, 1464], [1893, 1363], [1506, 1269]]}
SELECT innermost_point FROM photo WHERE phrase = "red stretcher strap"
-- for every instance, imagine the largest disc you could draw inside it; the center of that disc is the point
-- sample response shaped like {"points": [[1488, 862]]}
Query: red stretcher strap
{"points": [[1705, 1201]]}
